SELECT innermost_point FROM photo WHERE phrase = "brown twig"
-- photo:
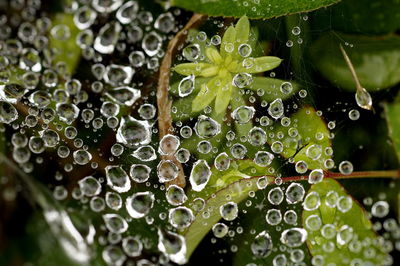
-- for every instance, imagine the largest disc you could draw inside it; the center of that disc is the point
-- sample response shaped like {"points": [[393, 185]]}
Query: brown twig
{"points": [[163, 102]]}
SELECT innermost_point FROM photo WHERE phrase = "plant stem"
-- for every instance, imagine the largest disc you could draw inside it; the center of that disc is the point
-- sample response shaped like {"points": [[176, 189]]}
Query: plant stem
{"points": [[163, 102], [351, 67], [354, 175]]}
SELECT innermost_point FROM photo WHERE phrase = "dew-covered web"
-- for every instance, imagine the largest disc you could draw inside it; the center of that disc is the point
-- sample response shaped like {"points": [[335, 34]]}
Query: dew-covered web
{"points": [[232, 162]]}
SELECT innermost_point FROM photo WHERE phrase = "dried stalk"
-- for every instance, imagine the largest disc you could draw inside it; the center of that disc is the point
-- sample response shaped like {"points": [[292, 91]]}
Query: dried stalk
{"points": [[163, 102]]}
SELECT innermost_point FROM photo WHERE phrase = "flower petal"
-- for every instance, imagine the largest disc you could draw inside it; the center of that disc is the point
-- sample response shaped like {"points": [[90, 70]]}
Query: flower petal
{"points": [[187, 69], [206, 95], [228, 42], [261, 64]]}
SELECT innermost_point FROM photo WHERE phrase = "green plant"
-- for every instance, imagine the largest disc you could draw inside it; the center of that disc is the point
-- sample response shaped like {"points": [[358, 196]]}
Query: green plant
{"points": [[175, 132]]}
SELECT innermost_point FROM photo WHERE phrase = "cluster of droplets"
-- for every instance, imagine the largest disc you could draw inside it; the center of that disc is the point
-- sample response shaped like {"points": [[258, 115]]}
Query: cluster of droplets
{"points": [[44, 104]]}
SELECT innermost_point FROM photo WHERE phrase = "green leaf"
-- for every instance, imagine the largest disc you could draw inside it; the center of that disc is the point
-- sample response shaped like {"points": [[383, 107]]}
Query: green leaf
{"points": [[355, 218], [253, 221], [235, 183], [228, 39], [197, 84], [242, 30], [67, 50], [392, 115], [271, 88], [262, 9], [358, 16], [223, 98], [206, 95], [188, 69], [261, 64], [312, 136], [376, 60]]}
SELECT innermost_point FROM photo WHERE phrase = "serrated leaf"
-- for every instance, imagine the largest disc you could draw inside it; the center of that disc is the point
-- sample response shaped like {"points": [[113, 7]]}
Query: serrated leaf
{"points": [[262, 9], [375, 59], [311, 132], [354, 218]]}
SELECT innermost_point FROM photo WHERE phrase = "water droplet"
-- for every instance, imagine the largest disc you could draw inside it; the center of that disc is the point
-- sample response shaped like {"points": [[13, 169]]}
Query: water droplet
{"points": [[168, 145], [139, 204], [315, 176], [113, 200], [229, 211], [257, 136], [346, 167], [262, 245], [175, 195], [117, 178], [167, 171], [207, 127], [8, 113], [220, 230], [89, 186], [191, 52], [132, 132], [363, 99], [140, 173], [115, 223], [151, 43], [294, 193], [132, 247], [286, 87], [276, 109], [380, 209], [180, 217], [127, 12], [107, 38], [273, 217], [200, 175], [312, 201], [293, 237], [186, 86], [172, 245], [222, 162], [275, 196], [243, 114], [263, 158]]}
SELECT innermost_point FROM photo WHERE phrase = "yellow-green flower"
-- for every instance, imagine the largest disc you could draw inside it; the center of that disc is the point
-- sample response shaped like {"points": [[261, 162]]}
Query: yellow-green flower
{"points": [[228, 69]]}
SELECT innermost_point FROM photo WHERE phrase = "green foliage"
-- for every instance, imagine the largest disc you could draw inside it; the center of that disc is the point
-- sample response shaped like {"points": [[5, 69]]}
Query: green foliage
{"points": [[309, 137], [66, 48], [350, 227], [377, 55], [360, 16], [261, 9], [232, 185], [392, 115]]}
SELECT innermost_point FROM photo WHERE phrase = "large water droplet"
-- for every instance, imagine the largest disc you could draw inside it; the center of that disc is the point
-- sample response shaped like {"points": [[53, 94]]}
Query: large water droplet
{"points": [[139, 204], [117, 178], [276, 109], [107, 38], [200, 175]]}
